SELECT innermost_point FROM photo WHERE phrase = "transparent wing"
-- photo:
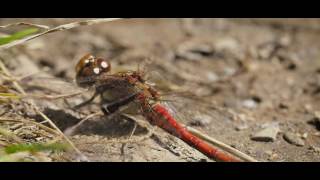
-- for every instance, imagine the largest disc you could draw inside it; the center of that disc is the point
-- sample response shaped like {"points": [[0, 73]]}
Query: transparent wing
{"points": [[181, 100], [47, 83]]}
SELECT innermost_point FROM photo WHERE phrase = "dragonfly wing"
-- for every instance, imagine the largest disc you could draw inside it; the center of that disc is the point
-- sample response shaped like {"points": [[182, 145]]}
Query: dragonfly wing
{"points": [[195, 111], [50, 83]]}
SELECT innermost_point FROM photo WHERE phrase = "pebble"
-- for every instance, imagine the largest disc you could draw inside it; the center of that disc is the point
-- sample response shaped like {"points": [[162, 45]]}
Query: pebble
{"points": [[212, 77], [293, 139], [244, 118], [317, 118], [242, 127], [267, 134], [249, 103], [193, 50], [266, 51], [226, 44], [201, 120], [229, 71], [304, 135], [285, 40], [308, 107], [269, 124], [39, 139], [317, 114], [269, 153], [316, 134], [315, 149]]}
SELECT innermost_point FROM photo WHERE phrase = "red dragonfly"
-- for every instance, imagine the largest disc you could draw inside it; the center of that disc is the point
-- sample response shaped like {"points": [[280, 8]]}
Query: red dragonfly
{"points": [[119, 89]]}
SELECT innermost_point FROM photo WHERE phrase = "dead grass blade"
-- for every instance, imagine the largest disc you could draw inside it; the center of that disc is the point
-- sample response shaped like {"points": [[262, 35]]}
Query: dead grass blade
{"points": [[7, 97], [221, 145], [21, 90], [10, 135], [26, 24], [4, 119], [58, 28]]}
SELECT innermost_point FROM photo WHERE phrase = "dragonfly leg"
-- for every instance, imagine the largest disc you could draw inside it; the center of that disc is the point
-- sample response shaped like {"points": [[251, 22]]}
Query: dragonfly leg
{"points": [[142, 123], [86, 102], [70, 130], [111, 107]]}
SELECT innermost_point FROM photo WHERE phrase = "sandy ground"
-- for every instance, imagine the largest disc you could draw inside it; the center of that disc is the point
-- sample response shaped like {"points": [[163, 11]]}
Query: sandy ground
{"points": [[246, 75]]}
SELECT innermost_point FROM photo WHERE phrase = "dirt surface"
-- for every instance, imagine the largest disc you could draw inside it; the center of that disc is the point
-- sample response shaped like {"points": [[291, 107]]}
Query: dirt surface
{"points": [[245, 75]]}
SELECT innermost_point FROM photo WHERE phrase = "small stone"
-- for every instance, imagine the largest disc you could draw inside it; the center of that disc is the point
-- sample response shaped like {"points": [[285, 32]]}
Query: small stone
{"points": [[269, 153], [317, 119], [304, 135], [201, 120], [267, 134], [194, 51], [315, 149], [38, 139], [308, 107], [293, 139], [285, 40], [316, 134], [269, 124], [242, 117], [317, 114], [242, 127], [283, 106], [229, 71], [226, 44], [212, 77], [249, 103], [274, 156], [266, 50]]}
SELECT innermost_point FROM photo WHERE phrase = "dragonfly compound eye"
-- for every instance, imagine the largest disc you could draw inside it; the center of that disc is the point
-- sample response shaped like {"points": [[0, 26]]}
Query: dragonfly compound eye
{"points": [[85, 74], [103, 65], [89, 68]]}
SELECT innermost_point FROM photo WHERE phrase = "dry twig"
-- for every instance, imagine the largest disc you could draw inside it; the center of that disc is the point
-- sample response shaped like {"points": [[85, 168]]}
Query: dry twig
{"points": [[221, 145]]}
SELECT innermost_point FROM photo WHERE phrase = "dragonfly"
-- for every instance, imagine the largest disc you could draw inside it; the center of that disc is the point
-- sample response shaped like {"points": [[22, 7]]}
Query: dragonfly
{"points": [[125, 92], [130, 90]]}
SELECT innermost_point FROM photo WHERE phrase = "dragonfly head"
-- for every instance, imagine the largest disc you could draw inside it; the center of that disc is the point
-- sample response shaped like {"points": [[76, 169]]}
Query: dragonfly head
{"points": [[89, 69]]}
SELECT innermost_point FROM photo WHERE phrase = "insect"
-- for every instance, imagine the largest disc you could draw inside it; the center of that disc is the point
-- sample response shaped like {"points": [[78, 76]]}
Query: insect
{"points": [[122, 88]]}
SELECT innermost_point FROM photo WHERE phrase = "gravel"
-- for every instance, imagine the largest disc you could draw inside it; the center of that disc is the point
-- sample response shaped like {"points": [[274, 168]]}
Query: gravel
{"points": [[293, 139], [267, 134], [241, 127]]}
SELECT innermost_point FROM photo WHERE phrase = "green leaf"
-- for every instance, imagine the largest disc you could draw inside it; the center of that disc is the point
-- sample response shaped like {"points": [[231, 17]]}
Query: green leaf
{"points": [[18, 35], [35, 147]]}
